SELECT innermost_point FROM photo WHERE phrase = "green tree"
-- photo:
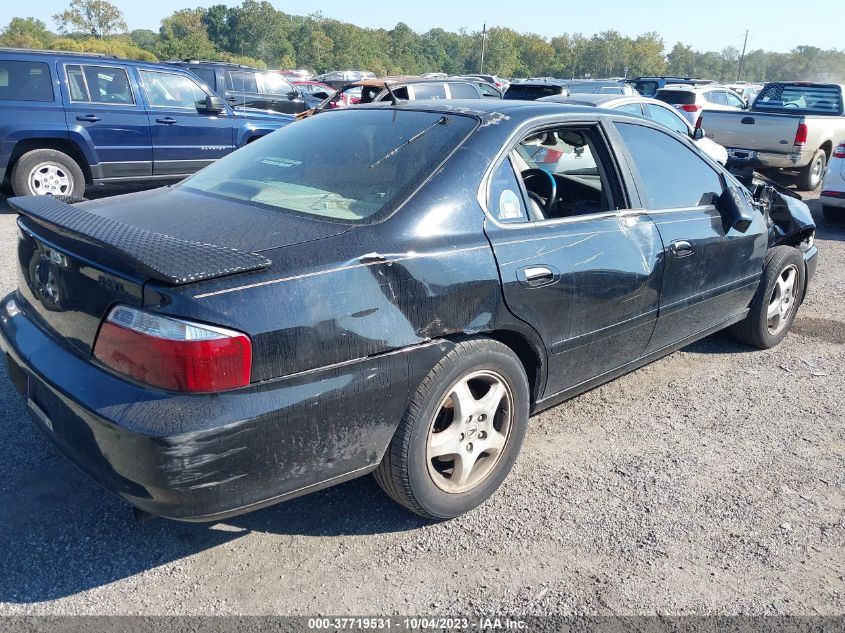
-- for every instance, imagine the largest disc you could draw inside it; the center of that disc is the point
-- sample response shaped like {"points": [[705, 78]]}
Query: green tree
{"points": [[681, 61], [145, 39], [183, 36], [97, 18], [26, 33]]}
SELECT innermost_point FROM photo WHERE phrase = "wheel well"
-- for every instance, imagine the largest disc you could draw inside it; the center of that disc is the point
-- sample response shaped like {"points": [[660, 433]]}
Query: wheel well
{"points": [[528, 356], [68, 147], [827, 146]]}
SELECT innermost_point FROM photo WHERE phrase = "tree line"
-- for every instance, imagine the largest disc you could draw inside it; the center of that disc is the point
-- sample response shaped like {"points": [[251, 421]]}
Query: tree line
{"points": [[258, 34]]}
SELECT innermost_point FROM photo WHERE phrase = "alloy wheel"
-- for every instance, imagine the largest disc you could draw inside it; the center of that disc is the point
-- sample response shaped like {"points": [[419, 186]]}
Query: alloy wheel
{"points": [[782, 300]]}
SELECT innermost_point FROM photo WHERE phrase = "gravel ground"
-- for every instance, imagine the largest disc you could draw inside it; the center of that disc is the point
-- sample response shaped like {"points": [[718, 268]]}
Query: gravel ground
{"points": [[710, 482]]}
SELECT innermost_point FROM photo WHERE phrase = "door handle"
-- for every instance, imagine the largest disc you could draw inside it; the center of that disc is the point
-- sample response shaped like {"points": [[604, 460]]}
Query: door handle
{"points": [[232, 99], [168, 120], [681, 248], [89, 118], [536, 276]]}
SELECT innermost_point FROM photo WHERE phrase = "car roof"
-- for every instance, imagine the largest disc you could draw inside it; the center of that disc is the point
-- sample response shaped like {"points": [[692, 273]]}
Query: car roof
{"points": [[514, 110], [92, 58], [203, 62]]}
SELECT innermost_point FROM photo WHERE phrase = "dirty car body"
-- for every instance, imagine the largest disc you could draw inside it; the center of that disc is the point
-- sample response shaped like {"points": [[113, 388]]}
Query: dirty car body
{"points": [[351, 283]]}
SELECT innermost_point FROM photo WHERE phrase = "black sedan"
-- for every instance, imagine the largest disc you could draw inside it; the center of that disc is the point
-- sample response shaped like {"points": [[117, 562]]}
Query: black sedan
{"points": [[384, 288]]}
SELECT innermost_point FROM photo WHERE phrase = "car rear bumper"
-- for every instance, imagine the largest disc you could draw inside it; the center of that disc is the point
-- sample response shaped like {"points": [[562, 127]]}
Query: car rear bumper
{"points": [[833, 200], [743, 158], [209, 456]]}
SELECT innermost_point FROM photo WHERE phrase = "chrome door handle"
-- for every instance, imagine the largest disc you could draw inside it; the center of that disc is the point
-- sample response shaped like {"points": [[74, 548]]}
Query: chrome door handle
{"points": [[535, 276], [681, 248], [166, 120]]}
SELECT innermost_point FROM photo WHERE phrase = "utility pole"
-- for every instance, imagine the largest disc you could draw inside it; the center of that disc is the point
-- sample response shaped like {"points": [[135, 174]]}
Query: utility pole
{"points": [[483, 47], [742, 57]]}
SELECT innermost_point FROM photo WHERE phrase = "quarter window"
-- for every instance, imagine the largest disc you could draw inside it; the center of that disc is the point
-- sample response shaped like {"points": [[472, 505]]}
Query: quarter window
{"points": [[673, 175], [505, 202], [25, 81], [99, 84], [167, 90]]}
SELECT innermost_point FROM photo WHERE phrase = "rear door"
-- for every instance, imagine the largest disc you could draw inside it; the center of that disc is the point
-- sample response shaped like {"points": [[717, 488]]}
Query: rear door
{"points": [[586, 274], [103, 107], [185, 138], [711, 271]]}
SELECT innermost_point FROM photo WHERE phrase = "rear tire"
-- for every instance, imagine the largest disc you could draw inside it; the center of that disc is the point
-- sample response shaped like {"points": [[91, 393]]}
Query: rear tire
{"points": [[47, 172], [810, 177], [834, 214], [461, 433], [777, 300]]}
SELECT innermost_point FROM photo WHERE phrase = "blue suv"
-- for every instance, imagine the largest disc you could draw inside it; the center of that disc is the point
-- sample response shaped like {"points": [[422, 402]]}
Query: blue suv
{"points": [[68, 120]]}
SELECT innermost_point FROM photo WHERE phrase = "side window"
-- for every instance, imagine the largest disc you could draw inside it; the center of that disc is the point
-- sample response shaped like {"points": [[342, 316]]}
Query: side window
{"points": [[664, 116], [206, 75], [270, 83], [25, 81], [241, 81], [735, 100], [99, 84], [168, 90], [718, 97], [673, 175], [429, 91], [505, 198], [462, 91], [631, 108]]}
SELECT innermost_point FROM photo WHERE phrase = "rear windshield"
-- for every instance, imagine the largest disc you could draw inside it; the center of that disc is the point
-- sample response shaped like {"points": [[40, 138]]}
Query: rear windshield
{"points": [[25, 81], [676, 97], [347, 165], [532, 92], [805, 98], [647, 88]]}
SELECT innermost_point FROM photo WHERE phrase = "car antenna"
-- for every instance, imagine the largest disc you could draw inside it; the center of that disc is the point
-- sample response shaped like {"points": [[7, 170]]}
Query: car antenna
{"points": [[393, 98]]}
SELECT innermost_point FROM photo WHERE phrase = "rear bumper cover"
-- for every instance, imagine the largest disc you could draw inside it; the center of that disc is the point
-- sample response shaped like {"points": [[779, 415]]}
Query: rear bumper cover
{"points": [[743, 158], [206, 457]]}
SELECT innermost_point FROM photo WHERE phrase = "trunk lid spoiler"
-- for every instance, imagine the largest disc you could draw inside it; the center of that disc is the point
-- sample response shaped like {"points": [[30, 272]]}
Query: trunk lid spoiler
{"points": [[145, 253]]}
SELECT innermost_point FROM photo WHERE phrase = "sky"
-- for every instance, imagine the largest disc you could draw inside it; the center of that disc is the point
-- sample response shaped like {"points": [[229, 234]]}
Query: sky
{"points": [[774, 25]]}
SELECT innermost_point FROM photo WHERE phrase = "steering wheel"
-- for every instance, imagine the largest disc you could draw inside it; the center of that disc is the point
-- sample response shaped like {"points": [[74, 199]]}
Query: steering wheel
{"points": [[548, 202]]}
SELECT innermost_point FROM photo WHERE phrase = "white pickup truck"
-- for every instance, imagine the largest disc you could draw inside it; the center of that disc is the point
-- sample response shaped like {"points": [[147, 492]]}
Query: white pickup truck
{"points": [[791, 126]]}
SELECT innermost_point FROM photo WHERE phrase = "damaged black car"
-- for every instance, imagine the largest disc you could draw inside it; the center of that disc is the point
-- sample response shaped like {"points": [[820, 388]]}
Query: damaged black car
{"points": [[391, 289]]}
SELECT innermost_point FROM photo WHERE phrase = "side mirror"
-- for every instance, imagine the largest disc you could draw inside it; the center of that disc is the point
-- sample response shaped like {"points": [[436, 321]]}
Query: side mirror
{"points": [[735, 209], [213, 104], [321, 95], [293, 94], [698, 134]]}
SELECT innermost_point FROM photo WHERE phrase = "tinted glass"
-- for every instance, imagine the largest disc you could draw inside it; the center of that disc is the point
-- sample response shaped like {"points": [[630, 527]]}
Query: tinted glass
{"points": [[273, 84], [647, 88], [806, 98], [532, 92], [630, 108], [506, 203], [667, 117], [241, 81], [676, 97], [99, 84], [347, 165], [206, 75], [429, 91], [165, 90], [463, 91], [674, 177], [25, 81]]}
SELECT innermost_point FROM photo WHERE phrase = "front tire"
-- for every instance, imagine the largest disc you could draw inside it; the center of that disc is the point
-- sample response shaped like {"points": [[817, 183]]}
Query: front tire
{"points": [[810, 177], [42, 172], [461, 433], [777, 300]]}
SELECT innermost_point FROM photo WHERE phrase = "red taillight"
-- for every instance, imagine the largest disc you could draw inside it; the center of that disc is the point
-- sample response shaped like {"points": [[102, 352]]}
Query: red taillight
{"points": [[801, 134], [173, 354], [698, 122], [839, 152], [690, 107]]}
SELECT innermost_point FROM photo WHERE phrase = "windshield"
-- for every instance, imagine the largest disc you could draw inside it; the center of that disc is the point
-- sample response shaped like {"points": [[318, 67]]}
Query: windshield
{"points": [[808, 98], [347, 166]]}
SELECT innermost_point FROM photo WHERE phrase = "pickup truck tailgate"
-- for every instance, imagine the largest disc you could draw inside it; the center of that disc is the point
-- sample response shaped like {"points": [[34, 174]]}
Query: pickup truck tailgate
{"points": [[751, 130]]}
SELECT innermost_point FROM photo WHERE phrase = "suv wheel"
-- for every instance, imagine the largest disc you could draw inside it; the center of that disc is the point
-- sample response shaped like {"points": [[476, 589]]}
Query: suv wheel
{"points": [[50, 172], [810, 177]]}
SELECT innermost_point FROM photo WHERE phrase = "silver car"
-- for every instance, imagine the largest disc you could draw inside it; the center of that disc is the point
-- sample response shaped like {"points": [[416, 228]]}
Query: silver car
{"points": [[691, 101]]}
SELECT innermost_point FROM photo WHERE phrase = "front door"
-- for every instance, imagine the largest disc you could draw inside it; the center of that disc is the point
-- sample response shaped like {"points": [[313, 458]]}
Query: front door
{"points": [[102, 108], [574, 263], [711, 270], [185, 138]]}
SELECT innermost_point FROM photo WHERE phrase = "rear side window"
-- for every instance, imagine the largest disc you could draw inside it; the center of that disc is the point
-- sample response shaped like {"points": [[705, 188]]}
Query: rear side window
{"points": [[676, 97], [532, 93], [506, 203], [463, 91], [673, 175], [241, 81], [647, 88], [206, 75], [99, 84], [429, 91], [25, 81], [805, 98], [667, 117]]}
